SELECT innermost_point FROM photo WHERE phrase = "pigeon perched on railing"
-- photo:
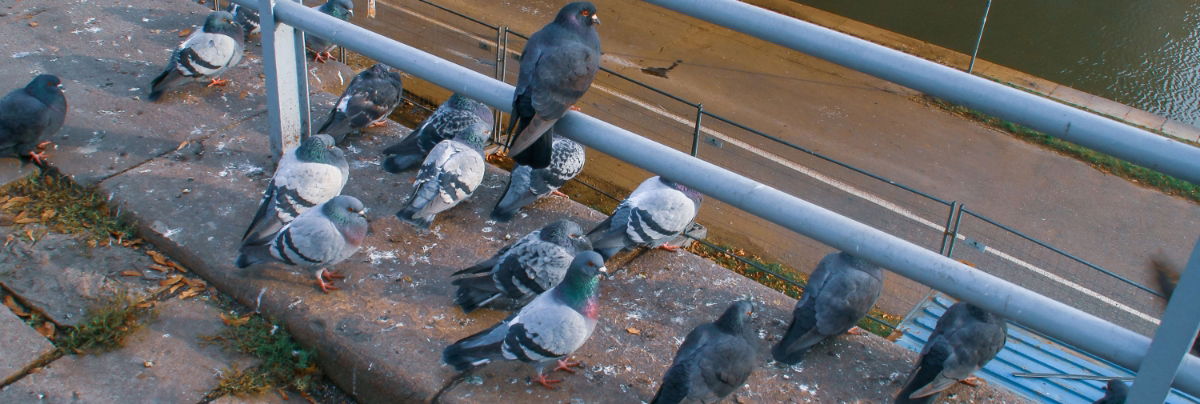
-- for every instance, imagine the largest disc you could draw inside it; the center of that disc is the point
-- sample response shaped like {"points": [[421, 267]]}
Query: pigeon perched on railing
{"points": [[306, 176], [205, 54], [320, 47], [654, 214], [522, 270], [839, 292], [528, 184], [557, 68], [458, 114], [965, 339], [368, 100], [246, 17], [548, 329], [714, 360], [30, 113], [449, 175], [318, 239]]}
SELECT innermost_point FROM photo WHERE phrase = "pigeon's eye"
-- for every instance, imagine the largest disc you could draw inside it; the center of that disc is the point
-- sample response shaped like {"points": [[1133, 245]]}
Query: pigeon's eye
{"points": [[574, 236], [585, 13]]}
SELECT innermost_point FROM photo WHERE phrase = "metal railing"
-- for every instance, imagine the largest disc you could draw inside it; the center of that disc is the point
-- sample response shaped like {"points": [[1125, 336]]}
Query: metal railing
{"points": [[1046, 315]]}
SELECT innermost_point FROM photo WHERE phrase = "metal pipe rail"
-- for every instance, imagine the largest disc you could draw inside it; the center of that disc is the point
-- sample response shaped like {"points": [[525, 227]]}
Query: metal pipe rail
{"points": [[1035, 311]]}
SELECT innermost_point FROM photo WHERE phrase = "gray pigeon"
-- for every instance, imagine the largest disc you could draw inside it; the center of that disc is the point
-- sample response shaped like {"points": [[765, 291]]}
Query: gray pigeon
{"points": [[839, 293], [449, 175], [367, 102], [320, 47], [206, 54], [965, 339], [307, 176], [715, 359], [548, 329], [528, 184], [522, 270], [458, 114], [246, 17], [656, 212], [30, 113], [557, 67], [318, 239], [1115, 393]]}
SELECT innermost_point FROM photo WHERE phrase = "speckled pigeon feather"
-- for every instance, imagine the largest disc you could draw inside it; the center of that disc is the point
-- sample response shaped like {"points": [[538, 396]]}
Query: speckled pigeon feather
{"points": [[371, 97], [522, 270], [839, 292], [246, 17], [656, 212], [459, 114], [449, 175], [527, 184], [307, 176], [714, 360]]}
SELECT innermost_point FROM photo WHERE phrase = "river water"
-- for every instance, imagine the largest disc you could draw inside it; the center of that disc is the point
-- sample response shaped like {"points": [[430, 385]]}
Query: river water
{"points": [[1143, 53]]}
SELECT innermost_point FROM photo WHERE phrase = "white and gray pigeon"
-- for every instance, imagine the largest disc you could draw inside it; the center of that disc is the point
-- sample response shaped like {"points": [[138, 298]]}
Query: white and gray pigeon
{"points": [[656, 212], [204, 55], [318, 239], [839, 293], [965, 339], [449, 175], [306, 176], [548, 329], [557, 68], [368, 100], [522, 270], [1116, 392], [528, 184], [30, 113], [457, 115], [246, 17], [322, 48], [715, 359]]}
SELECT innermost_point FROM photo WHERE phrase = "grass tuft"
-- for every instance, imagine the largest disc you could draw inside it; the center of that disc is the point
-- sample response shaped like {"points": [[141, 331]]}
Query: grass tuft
{"points": [[107, 325], [283, 362], [63, 206]]}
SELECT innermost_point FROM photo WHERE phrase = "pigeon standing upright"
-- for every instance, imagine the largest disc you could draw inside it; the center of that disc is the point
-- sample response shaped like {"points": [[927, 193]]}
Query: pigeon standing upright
{"points": [[656, 212], [557, 68], [318, 239], [965, 339], [246, 17], [522, 270], [528, 184], [1116, 392], [205, 54], [450, 174], [458, 114], [320, 47], [368, 100], [27, 114], [714, 360], [548, 329], [307, 176], [839, 293]]}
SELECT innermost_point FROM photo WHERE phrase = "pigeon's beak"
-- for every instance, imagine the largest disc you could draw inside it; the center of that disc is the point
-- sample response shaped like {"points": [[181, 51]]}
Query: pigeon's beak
{"points": [[603, 269], [351, 12], [595, 19], [363, 212]]}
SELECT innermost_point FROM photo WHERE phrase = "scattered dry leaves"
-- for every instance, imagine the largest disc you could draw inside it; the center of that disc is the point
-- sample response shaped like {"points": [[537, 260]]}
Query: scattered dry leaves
{"points": [[130, 272], [33, 24], [46, 329], [234, 321], [633, 331], [170, 281], [16, 308], [159, 268], [185, 32], [189, 293], [158, 258]]}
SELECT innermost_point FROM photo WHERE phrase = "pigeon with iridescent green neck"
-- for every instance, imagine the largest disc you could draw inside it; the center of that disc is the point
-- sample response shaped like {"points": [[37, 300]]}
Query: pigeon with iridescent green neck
{"points": [[318, 239], [306, 176], [522, 270], [450, 174], [320, 47]]}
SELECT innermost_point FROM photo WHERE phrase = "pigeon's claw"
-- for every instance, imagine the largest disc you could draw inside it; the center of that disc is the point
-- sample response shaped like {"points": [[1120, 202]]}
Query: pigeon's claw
{"points": [[330, 275], [855, 331], [218, 82], [321, 277], [38, 157], [575, 108], [973, 381], [43, 145], [566, 365], [547, 383], [559, 193], [377, 124], [668, 247]]}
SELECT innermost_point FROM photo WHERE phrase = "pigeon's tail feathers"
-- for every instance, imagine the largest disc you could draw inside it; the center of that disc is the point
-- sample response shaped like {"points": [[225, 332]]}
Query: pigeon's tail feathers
{"points": [[415, 211], [672, 390], [253, 254], [479, 268], [1166, 276], [265, 223], [409, 215], [796, 343], [927, 374], [475, 292], [164, 82], [401, 162], [475, 350], [606, 240], [516, 196]]}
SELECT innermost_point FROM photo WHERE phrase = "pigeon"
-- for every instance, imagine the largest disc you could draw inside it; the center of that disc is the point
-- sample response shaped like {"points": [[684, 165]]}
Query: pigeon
{"points": [[528, 184], [205, 54], [307, 176], [318, 239], [715, 359], [522, 270], [1115, 393], [557, 67], [366, 103], [965, 339], [1166, 275], [458, 114], [320, 47], [29, 114], [449, 175], [656, 212], [839, 293], [246, 17], [549, 328]]}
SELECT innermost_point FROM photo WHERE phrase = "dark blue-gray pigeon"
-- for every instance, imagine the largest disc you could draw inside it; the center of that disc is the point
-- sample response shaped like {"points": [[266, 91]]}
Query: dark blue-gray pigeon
{"points": [[30, 113], [449, 175], [839, 292], [522, 270], [457, 115], [320, 47], [557, 68], [528, 184], [714, 360], [965, 339], [204, 55], [548, 329], [306, 176], [1115, 393], [246, 17], [318, 239], [654, 214], [368, 100]]}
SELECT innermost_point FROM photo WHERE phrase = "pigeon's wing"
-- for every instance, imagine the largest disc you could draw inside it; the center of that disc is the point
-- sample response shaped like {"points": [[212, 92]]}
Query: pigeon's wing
{"points": [[683, 378], [266, 221], [23, 119], [803, 332], [532, 269], [208, 54], [659, 215], [562, 76], [516, 195], [845, 300], [546, 330], [566, 161], [727, 364], [457, 177], [309, 241]]}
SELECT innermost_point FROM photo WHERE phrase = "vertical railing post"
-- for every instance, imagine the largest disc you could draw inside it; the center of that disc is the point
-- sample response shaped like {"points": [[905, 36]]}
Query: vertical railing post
{"points": [[1173, 339], [950, 234], [696, 131], [286, 79], [979, 38], [501, 61]]}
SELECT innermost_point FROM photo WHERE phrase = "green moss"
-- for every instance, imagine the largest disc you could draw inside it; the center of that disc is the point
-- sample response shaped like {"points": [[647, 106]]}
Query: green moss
{"points": [[107, 325], [283, 362], [63, 206]]}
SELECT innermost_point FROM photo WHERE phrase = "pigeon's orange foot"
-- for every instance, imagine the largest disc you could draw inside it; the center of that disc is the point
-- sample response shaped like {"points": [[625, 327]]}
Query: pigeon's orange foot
{"points": [[973, 381], [43, 145], [38, 158], [575, 108], [325, 286], [559, 193], [377, 124], [547, 383], [668, 247], [566, 365], [217, 82], [855, 331], [330, 275], [319, 57]]}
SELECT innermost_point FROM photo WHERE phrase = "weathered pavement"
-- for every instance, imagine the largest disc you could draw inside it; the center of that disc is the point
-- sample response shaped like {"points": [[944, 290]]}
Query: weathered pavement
{"points": [[189, 172]]}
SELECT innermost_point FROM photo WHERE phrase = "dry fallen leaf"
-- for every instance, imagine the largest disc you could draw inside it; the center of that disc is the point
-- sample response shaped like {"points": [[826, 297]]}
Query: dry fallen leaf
{"points": [[48, 214], [158, 258], [20, 200], [176, 287], [33, 24], [185, 32], [144, 305], [234, 321], [16, 308], [171, 281], [189, 293], [130, 272], [46, 329], [159, 268], [633, 331]]}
